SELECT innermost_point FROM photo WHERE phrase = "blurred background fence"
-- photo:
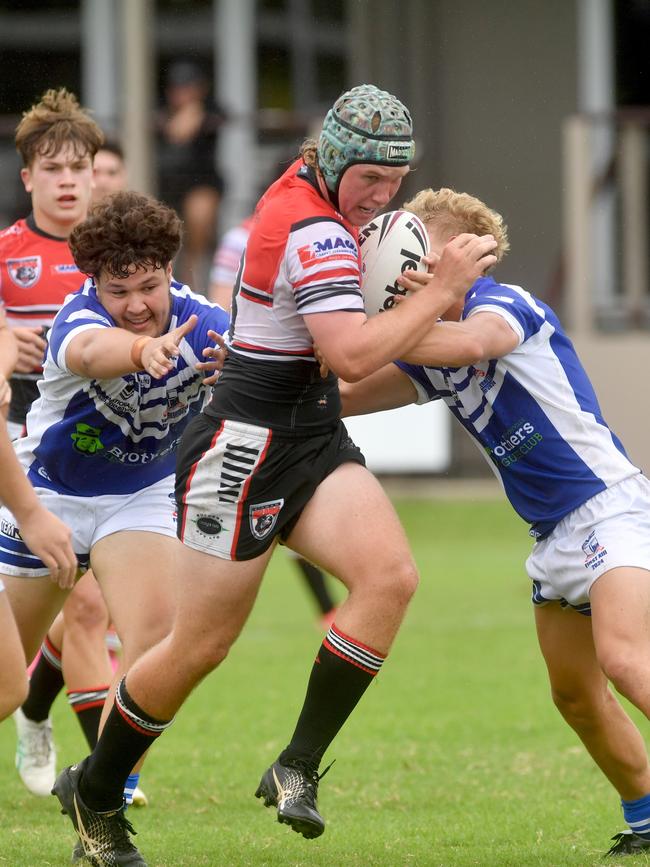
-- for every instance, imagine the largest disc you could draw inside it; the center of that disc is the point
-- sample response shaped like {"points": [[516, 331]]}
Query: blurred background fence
{"points": [[540, 109]]}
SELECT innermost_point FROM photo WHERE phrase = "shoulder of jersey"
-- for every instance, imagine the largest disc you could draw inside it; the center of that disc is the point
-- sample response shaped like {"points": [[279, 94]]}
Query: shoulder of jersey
{"points": [[13, 231]]}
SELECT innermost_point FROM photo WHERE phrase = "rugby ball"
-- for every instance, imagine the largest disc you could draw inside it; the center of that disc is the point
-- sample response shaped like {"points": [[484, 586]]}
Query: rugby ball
{"points": [[390, 244]]}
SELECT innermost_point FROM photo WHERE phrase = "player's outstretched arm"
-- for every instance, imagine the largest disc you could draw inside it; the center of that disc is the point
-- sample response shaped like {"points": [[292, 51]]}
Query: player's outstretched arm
{"points": [[458, 344], [386, 388], [44, 534], [103, 353]]}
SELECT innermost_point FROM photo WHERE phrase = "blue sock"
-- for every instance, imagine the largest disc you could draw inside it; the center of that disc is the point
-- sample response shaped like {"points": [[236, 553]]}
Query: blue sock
{"points": [[637, 815], [129, 788]]}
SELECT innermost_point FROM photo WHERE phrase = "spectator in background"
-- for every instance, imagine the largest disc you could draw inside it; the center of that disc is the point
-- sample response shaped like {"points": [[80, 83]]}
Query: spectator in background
{"points": [[188, 180], [109, 170], [223, 276]]}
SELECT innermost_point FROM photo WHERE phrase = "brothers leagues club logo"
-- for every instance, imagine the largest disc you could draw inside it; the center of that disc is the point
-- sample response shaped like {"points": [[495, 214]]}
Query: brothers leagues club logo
{"points": [[86, 439]]}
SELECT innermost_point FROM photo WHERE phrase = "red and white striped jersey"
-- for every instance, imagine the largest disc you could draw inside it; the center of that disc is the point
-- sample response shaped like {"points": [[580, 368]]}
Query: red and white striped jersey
{"points": [[37, 271], [302, 257]]}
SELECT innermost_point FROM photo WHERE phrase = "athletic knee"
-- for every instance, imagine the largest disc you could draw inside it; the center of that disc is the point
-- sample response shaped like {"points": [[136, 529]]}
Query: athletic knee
{"points": [[13, 694], [204, 655], [142, 632], [86, 613], [137, 640], [580, 709], [619, 668], [400, 581]]}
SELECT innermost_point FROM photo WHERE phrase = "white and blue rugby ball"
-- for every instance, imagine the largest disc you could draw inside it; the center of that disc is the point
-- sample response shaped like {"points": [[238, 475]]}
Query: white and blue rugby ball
{"points": [[390, 244]]}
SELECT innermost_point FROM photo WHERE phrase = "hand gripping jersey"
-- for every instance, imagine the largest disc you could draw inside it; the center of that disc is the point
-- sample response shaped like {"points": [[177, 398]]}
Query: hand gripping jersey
{"points": [[37, 271], [115, 436], [533, 412], [301, 257]]}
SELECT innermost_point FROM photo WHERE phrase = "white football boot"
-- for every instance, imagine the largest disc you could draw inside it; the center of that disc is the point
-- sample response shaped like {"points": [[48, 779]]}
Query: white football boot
{"points": [[35, 754], [139, 798]]}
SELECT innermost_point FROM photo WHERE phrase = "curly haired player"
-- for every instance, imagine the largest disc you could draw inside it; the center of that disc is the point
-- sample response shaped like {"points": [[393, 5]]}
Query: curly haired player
{"points": [[119, 386]]}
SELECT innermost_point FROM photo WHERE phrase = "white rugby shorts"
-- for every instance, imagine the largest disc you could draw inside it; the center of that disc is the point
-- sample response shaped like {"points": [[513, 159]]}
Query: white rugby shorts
{"points": [[15, 430], [610, 530], [151, 510]]}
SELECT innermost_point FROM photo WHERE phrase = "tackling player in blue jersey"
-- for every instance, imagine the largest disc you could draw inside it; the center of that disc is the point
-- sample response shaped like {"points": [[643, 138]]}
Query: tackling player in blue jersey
{"points": [[119, 386], [510, 375]]}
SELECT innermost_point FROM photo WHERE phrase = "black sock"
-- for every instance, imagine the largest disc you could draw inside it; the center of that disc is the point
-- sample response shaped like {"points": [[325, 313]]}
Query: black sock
{"points": [[87, 705], [127, 735], [316, 582], [342, 672], [45, 683]]}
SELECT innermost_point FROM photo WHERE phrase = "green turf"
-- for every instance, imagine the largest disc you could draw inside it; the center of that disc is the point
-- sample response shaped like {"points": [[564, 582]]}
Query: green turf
{"points": [[456, 755]]}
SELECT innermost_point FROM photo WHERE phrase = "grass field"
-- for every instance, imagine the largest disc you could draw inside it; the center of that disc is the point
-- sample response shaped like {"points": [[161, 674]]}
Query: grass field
{"points": [[456, 755]]}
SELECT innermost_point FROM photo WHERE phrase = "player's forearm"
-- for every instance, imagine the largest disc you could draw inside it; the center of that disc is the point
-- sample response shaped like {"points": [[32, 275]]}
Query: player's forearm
{"points": [[446, 344], [387, 388], [15, 490], [386, 337], [103, 353], [8, 352]]}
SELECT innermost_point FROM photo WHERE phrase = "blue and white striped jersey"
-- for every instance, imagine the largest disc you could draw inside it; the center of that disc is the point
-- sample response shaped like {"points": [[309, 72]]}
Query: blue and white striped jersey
{"points": [[533, 412], [87, 437]]}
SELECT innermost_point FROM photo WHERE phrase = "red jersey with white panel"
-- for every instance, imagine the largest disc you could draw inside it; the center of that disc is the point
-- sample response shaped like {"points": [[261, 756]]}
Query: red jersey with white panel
{"points": [[302, 257], [37, 272]]}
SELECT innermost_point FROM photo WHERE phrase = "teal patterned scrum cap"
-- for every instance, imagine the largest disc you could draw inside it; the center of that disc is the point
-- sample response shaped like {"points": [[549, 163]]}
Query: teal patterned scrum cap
{"points": [[365, 125]]}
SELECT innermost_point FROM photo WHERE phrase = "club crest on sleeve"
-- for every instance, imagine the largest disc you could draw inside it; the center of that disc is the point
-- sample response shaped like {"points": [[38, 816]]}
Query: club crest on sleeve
{"points": [[263, 517], [25, 272]]}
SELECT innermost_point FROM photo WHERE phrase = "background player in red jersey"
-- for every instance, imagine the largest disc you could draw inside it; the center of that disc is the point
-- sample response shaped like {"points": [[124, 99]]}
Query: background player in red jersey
{"points": [[57, 141]]}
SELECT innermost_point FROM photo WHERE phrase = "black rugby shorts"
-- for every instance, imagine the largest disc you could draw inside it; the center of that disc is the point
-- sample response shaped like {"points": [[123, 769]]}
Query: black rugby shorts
{"points": [[238, 485]]}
